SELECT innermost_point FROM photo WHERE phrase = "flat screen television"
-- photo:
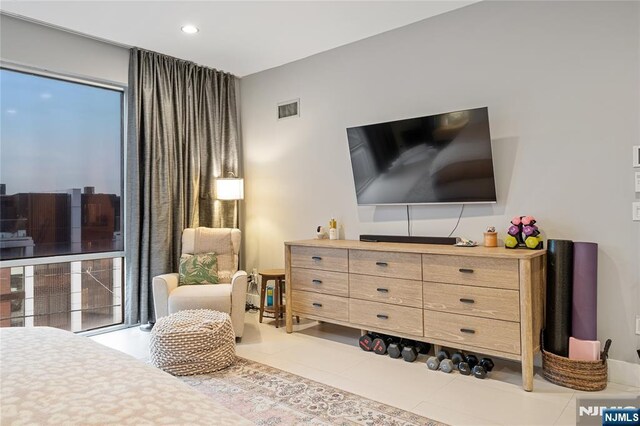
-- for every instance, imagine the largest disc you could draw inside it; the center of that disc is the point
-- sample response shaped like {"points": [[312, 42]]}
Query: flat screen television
{"points": [[443, 158]]}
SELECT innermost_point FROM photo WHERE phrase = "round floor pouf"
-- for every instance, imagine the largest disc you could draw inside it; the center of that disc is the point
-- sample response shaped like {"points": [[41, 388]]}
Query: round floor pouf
{"points": [[193, 342]]}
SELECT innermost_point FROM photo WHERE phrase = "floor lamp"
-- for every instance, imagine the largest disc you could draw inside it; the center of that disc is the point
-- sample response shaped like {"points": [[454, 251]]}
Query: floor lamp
{"points": [[231, 189], [227, 189]]}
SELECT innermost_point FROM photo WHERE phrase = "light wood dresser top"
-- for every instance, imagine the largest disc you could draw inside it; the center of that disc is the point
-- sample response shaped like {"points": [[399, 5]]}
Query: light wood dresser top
{"points": [[480, 251]]}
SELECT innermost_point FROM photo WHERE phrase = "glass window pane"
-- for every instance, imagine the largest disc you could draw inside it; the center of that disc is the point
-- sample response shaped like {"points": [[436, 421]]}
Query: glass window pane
{"points": [[75, 296], [60, 167]]}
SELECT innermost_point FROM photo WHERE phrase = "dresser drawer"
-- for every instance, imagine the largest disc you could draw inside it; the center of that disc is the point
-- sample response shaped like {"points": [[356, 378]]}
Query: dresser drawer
{"points": [[476, 301], [328, 282], [485, 333], [327, 259], [384, 316], [386, 290], [386, 264], [322, 305], [476, 271]]}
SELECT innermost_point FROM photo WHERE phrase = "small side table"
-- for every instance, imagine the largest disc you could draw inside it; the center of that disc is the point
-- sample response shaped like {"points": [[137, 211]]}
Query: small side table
{"points": [[277, 276]]}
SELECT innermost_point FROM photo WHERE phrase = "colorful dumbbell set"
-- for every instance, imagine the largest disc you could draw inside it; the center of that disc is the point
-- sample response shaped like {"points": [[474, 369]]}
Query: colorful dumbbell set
{"points": [[523, 232]]}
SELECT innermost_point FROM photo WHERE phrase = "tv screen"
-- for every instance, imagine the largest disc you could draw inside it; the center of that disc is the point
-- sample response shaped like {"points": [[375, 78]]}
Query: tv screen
{"points": [[444, 158]]}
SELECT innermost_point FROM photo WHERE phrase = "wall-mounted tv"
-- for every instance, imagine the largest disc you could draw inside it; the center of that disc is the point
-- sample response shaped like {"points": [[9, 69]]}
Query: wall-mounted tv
{"points": [[443, 158]]}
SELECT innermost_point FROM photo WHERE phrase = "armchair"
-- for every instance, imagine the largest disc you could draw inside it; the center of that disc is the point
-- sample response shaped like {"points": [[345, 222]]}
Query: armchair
{"points": [[229, 296]]}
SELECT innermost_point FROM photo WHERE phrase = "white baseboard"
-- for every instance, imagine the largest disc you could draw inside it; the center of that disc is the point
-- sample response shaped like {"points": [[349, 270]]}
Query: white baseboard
{"points": [[624, 373]]}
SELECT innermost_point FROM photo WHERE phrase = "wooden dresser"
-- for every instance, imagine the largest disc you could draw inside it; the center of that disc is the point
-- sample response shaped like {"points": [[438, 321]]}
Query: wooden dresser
{"points": [[483, 300]]}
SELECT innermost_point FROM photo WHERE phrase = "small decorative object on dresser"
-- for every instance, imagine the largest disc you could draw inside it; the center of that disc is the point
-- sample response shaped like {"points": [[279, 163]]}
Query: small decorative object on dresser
{"points": [[321, 234], [491, 237], [486, 300], [333, 229]]}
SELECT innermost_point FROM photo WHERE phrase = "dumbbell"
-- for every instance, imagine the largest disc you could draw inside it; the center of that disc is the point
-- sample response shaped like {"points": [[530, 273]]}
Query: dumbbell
{"points": [[467, 365], [381, 344], [366, 342], [446, 366], [456, 358], [395, 349], [533, 242], [423, 347], [481, 370], [434, 361], [410, 352], [511, 242]]}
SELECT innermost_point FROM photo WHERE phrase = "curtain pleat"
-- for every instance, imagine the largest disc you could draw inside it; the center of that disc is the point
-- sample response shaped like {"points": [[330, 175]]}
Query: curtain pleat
{"points": [[182, 133]]}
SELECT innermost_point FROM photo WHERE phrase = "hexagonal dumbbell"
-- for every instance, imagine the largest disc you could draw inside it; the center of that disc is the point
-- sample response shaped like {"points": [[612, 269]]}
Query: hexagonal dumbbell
{"points": [[380, 344], [395, 349], [483, 368], [456, 358], [410, 352], [434, 361], [465, 367]]}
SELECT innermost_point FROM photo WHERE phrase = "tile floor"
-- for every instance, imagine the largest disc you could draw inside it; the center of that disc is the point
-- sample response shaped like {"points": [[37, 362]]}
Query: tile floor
{"points": [[329, 354]]}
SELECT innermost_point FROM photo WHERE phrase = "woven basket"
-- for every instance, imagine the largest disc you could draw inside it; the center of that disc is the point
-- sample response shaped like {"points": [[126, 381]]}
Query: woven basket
{"points": [[574, 374]]}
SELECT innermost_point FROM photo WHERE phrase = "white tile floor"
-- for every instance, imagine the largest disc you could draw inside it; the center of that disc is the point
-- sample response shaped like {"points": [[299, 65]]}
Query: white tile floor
{"points": [[329, 354]]}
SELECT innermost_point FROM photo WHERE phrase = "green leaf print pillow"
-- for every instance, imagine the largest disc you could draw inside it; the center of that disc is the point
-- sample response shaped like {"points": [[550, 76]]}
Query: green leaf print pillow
{"points": [[198, 269]]}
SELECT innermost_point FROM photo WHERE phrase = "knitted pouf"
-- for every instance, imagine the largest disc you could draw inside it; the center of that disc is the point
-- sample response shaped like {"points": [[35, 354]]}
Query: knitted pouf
{"points": [[193, 342]]}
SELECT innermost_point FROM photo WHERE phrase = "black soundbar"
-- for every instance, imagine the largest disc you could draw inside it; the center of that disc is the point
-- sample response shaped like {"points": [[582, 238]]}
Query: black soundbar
{"points": [[445, 241]]}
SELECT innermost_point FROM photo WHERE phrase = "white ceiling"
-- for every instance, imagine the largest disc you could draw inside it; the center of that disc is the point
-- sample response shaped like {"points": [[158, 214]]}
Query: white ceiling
{"points": [[241, 37]]}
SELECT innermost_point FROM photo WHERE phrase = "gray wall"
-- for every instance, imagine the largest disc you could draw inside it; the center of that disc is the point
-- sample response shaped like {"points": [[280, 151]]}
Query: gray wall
{"points": [[31, 44], [561, 81]]}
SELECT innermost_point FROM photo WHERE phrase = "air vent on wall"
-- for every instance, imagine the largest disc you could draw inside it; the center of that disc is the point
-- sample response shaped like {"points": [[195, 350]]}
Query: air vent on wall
{"points": [[289, 109]]}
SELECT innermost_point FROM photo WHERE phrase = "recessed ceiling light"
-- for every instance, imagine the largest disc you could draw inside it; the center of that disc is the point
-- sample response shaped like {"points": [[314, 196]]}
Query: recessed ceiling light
{"points": [[11, 111], [190, 29]]}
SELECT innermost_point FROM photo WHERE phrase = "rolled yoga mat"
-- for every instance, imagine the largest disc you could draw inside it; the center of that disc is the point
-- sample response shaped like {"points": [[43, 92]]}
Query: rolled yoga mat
{"points": [[559, 283], [585, 291]]}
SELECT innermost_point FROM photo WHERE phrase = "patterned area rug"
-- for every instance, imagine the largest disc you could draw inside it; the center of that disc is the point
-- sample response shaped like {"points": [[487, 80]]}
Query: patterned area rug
{"points": [[269, 396]]}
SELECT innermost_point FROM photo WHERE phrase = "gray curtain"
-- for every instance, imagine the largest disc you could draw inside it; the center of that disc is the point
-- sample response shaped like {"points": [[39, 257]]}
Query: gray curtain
{"points": [[182, 133]]}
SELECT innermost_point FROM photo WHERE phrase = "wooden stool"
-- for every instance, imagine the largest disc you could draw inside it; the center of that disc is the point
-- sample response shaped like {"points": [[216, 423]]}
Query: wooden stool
{"points": [[277, 276]]}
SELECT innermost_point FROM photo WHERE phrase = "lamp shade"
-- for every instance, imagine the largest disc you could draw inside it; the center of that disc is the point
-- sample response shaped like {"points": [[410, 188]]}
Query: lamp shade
{"points": [[230, 189]]}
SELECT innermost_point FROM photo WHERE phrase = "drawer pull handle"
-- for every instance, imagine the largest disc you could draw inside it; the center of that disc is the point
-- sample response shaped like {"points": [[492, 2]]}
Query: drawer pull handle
{"points": [[468, 331], [466, 270], [383, 290], [317, 305], [467, 300], [316, 281], [316, 258], [382, 264], [382, 316]]}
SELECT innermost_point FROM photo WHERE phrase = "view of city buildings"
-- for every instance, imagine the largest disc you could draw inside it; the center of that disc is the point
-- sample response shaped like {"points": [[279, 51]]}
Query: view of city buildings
{"points": [[77, 295]]}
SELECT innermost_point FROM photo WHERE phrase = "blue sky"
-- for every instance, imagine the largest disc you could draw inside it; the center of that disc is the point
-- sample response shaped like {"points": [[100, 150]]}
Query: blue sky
{"points": [[57, 135]]}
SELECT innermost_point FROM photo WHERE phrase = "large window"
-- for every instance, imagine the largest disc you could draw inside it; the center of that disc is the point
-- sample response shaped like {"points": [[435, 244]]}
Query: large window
{"points": [[61, 186]]}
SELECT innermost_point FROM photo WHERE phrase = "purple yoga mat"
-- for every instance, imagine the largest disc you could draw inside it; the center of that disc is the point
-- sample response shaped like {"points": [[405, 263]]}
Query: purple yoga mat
{"points": [[585, 291]]}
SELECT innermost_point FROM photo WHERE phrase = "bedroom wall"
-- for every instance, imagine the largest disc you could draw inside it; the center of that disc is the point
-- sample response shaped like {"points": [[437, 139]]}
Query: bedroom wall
{"points": [[562, 83], [31, 44]]}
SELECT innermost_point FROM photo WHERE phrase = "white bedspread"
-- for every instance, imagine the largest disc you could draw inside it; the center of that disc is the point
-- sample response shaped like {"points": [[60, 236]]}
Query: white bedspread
{"points": [[50, 376]]}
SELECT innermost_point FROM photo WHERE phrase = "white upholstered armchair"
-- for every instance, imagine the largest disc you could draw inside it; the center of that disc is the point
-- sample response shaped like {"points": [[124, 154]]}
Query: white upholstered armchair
{"points": [[229, 296]]}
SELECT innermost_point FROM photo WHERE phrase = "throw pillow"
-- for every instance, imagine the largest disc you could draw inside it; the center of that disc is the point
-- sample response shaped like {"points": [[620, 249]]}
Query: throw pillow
{"points": [[198, 269]]}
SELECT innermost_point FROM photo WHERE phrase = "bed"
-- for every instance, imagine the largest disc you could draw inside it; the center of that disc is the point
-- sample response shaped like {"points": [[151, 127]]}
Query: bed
{"points": [[51, 376]]}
